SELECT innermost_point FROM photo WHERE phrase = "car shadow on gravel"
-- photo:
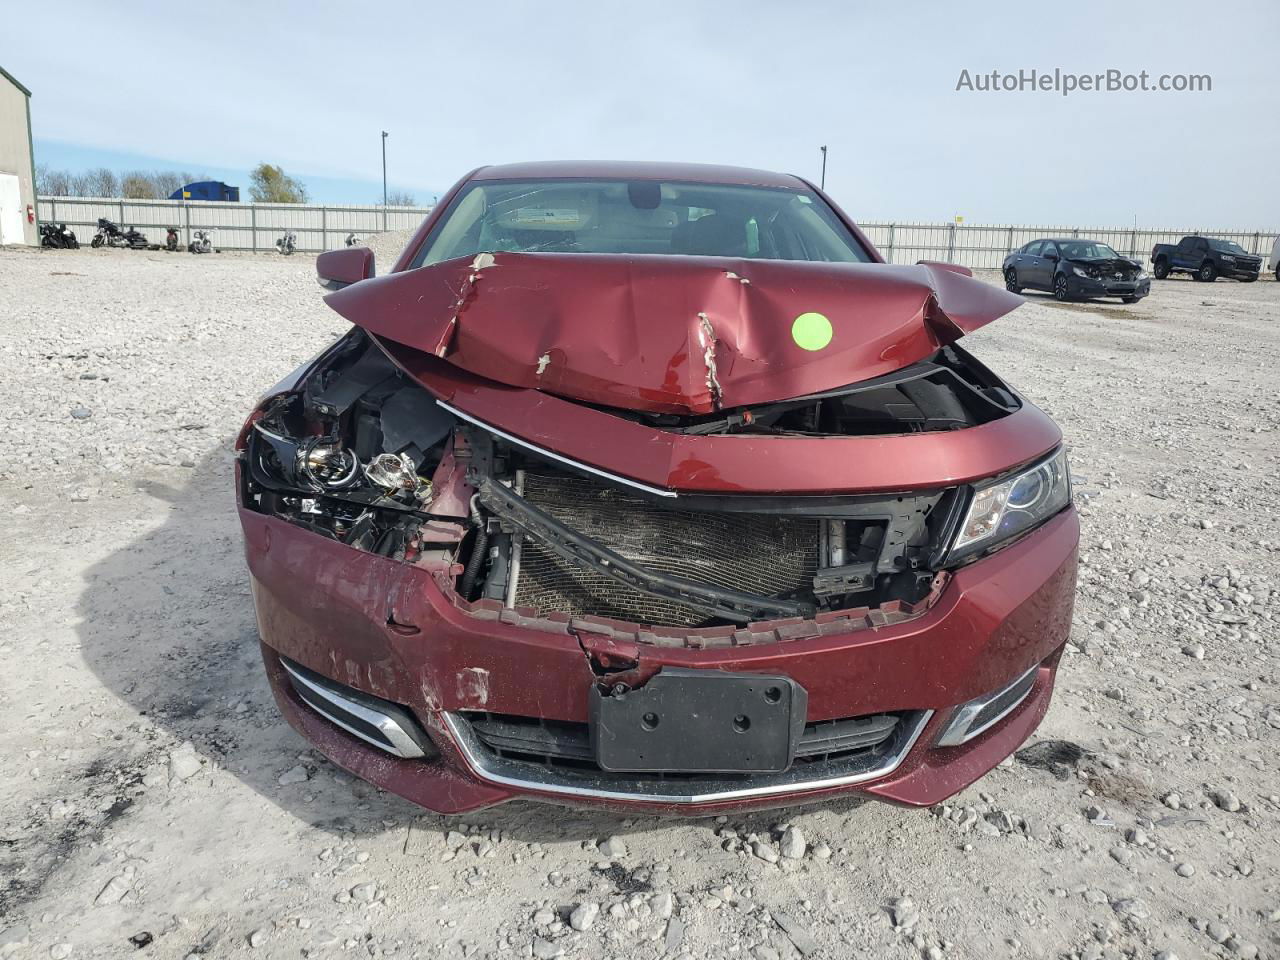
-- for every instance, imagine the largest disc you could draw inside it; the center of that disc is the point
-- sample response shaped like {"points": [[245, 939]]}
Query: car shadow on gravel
{"points": [[166, 623]]}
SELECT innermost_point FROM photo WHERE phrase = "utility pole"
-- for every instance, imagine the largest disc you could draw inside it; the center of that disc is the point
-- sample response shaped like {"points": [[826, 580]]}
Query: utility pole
{"points": [[822, 185], [384, 168]]}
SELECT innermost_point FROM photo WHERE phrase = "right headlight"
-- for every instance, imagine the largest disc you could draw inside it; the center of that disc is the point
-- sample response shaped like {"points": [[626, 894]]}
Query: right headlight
{"points": [[1006, 508]]}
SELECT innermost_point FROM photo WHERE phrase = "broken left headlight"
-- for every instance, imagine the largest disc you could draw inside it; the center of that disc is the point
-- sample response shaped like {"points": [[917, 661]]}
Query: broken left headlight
{"points": [[1009, 507]]}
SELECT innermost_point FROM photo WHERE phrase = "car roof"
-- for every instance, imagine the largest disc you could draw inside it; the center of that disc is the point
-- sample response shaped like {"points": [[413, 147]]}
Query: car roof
{"points": [[636, 170], [1066, 240]]}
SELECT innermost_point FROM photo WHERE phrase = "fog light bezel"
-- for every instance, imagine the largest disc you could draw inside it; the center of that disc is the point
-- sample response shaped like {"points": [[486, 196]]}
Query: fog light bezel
{"points": [[401, 736], [967, 721]]}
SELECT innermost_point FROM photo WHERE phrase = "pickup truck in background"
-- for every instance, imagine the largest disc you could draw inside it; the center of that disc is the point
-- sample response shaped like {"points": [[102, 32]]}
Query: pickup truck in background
{"points": [[1205, 259]]}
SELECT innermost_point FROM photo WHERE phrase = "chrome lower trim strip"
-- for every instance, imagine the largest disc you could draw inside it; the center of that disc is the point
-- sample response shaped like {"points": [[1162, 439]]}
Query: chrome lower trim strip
{"points": [[402, 744], [544, 452], [801, 778], [957, 730]]}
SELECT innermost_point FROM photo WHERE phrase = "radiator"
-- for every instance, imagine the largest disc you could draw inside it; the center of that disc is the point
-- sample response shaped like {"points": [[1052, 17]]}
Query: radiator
{"points": [[756, 553]]}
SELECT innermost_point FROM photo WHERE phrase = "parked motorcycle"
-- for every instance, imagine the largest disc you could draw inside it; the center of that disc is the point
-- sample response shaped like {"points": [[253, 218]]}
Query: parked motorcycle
{"points": [[110, 234], [201, 242], [58, 237], [288, 243], [353, 240], [171, 239]]}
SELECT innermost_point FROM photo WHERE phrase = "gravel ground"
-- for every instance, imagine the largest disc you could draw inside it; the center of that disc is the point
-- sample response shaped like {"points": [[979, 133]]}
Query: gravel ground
{"points": [[153, 797]]}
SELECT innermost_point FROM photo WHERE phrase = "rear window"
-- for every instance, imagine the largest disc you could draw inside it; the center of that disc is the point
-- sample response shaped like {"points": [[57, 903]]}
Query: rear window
{"points": [[639, 217]]}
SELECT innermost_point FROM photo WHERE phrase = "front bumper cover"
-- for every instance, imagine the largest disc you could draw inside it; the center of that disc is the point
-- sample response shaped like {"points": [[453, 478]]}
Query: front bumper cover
{"points": [[1090, 287], [1241, 273], [388, 630]]}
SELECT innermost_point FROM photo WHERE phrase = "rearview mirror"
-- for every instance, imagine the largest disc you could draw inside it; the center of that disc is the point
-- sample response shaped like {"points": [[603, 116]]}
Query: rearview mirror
{"points": [[341, 268]]}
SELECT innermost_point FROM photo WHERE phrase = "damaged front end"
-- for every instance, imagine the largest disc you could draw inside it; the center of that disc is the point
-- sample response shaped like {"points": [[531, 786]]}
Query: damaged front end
{"points": [[363, 454], [689, 481]]}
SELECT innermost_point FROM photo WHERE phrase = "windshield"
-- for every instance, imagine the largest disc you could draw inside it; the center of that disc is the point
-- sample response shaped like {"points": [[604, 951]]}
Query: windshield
{"points": [[1226, 246], [1088, 250], [640, 216]]}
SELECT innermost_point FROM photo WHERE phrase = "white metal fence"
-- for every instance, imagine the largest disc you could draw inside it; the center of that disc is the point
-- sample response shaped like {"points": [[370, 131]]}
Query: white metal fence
{"points": [[257, 226], [236, 226]]}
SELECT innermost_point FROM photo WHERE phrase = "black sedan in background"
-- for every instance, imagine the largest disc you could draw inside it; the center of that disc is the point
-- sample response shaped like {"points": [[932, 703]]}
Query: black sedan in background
{"points": [[1075, 269]]}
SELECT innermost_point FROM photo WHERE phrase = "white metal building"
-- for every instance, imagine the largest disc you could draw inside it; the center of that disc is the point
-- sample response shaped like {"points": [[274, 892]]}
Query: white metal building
{"points": [[17, 164]]}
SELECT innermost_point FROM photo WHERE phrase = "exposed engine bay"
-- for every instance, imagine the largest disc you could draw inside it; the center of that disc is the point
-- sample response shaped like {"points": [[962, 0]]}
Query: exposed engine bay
{"points": [[361, 453]]}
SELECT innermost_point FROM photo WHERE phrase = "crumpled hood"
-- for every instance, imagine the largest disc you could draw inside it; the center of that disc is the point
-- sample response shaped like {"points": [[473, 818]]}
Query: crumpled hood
{"points": [[672, 334]]}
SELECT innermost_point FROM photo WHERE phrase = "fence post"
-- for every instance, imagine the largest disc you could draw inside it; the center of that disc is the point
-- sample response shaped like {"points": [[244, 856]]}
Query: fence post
{"points": [[951, 242], [324, 228], [253, 227], [892, 231], [1257, 246], [122, 214]]}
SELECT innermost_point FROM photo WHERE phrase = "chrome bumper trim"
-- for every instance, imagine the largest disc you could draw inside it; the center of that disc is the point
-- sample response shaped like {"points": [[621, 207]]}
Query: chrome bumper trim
{"points": [[960, 729], [800, 778], [318, 694]]}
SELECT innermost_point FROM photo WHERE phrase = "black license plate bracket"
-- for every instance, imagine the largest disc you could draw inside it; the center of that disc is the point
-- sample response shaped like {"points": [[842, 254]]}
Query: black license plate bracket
{"points": [[699, 721]]}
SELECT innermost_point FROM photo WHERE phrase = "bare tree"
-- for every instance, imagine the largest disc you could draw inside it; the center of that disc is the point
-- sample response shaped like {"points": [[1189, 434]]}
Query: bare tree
{"points": [[137, 185], [100, 183], [45, 181], [401, 198], [169, 182]]}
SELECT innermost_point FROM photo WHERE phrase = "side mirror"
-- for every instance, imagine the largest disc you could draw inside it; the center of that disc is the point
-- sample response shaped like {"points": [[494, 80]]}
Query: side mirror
{"points": [[1050, 256], [336, 269]]}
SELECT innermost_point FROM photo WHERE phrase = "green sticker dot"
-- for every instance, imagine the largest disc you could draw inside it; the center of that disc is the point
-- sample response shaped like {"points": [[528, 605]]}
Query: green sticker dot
{"points": [[811, 331]]}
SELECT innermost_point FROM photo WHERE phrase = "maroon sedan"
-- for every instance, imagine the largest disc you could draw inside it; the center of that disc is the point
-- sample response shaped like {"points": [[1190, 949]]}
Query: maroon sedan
{"points": [[652, 485]]}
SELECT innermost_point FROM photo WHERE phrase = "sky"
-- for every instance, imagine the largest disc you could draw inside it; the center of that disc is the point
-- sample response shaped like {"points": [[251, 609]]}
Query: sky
{"points": [[311, 86]]}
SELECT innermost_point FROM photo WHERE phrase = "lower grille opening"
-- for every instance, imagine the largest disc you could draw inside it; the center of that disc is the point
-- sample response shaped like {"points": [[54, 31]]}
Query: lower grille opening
{"points": [[567, 746], [554, 757]]}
